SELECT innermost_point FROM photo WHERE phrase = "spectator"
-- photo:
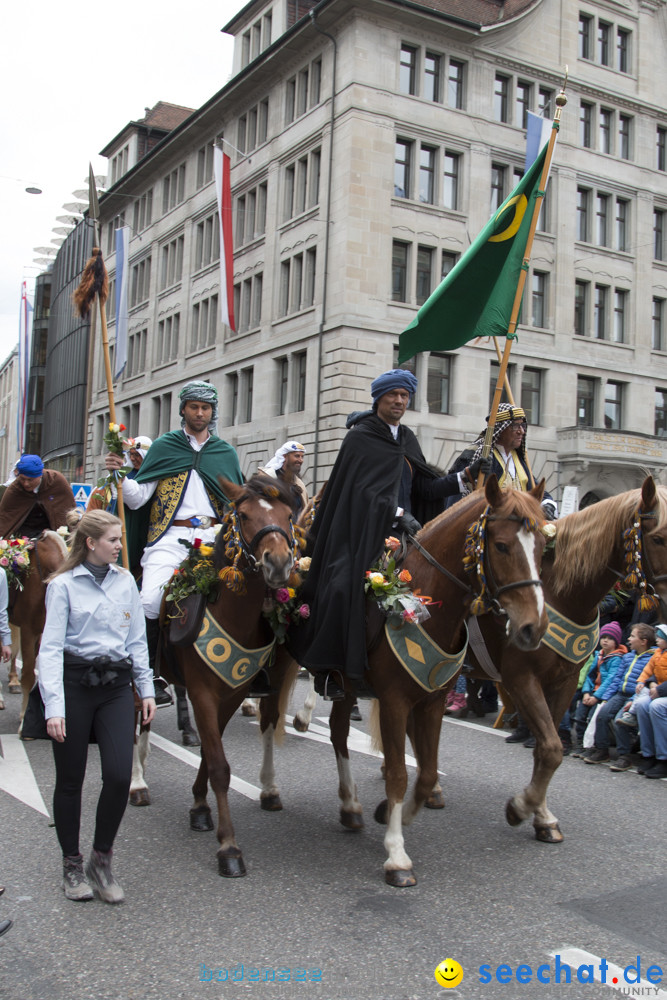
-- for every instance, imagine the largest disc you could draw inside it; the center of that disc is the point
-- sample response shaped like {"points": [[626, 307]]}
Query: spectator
{"points": [[604, 665], [651, 708]]}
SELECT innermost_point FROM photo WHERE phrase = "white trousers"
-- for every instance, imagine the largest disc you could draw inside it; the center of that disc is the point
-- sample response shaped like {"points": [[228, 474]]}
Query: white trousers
{"points": [[160, 560]]}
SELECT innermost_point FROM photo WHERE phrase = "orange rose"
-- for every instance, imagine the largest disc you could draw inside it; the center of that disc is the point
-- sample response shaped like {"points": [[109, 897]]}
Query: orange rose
{"points": [[404, 576]]}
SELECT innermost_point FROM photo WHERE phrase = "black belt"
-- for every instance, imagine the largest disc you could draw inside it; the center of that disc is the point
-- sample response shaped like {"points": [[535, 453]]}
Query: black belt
{"points": [[100, 671]]}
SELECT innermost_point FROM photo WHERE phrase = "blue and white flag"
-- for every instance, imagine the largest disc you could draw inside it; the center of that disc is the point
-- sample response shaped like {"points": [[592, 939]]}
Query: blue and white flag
{"points": [[537, 136], [122, 276]]}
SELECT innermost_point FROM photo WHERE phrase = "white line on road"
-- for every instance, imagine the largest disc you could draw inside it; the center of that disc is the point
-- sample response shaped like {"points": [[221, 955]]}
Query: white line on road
{"points": [[16, 775], [180, 753]]}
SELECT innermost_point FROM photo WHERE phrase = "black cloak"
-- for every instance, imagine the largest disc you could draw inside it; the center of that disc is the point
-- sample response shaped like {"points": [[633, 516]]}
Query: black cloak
{"points": [[347, 538]]}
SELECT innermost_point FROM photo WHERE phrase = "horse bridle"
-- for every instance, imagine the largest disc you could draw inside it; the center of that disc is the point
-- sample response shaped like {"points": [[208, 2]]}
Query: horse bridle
{"points": [[494, 590], [249, 548]]}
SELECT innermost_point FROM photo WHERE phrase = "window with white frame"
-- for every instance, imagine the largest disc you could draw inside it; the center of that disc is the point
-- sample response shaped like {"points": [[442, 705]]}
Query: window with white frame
{"points": [[171, 262], [204, 324], [303, 91], [140, 282], [605, 43], [297, 282], [434, 76], [173, 189], [168, 333], [204, 165], [301, 184], [251, 214], [143, 212], [253, 127], [207, 242], [248, 302], [136, 353]]}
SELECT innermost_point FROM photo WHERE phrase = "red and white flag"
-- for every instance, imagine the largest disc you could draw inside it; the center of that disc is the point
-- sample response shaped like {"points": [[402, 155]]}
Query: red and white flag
{"points": [[223, 188]]}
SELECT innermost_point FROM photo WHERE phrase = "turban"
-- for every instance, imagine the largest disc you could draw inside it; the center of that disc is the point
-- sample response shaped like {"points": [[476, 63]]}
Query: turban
{"points": [[200, 392], [140, 444], [278, 459], [30, 465], [397, 378], [505, 417], [508, 414]]}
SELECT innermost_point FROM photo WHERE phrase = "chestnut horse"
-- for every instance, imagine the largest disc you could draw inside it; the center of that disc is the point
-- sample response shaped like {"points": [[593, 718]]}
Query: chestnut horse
{"points": [[266, 540], [591, 553], [27, 610]]}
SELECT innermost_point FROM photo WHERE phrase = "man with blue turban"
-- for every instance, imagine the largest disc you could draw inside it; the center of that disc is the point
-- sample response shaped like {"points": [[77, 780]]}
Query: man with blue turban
{"points": [[179, 478], [380, 483], [37, 499]]}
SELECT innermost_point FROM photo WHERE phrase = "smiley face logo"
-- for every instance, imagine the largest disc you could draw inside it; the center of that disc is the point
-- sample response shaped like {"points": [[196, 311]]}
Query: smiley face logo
{"points": [[449, 973]]}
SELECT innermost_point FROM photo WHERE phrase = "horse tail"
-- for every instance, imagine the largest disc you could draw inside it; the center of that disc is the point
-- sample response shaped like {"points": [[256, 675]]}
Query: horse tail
{"points": [[374, 726], [286, 688]]}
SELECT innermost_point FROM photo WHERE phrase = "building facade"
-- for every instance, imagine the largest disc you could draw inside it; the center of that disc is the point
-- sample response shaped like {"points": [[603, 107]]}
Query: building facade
{"points": [[370, 143], [10, 449]]}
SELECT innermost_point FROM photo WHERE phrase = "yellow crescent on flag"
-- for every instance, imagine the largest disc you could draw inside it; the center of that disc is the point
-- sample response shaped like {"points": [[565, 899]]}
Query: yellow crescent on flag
{"points": [[521, 203]]}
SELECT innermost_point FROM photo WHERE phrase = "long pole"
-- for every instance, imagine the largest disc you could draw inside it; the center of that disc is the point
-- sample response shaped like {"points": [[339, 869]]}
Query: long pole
{"points": [[561, 101]]}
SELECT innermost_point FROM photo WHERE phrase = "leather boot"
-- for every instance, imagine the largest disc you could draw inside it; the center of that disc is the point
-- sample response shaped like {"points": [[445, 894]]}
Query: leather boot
{"points": [[162, 693]]}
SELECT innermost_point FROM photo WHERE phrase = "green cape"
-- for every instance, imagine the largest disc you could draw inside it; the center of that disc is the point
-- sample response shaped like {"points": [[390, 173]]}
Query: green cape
{"points": [[172, 454]]}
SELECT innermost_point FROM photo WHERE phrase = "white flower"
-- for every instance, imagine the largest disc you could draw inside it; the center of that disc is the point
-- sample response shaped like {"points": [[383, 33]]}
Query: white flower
{"points": [[303, 564], [548, 530], [63, 530], [216, 529]]}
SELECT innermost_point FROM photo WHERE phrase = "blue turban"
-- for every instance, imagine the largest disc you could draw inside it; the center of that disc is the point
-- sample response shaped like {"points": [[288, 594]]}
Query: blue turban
{"points": [[200, 392], [30, 465], [397, 378]]}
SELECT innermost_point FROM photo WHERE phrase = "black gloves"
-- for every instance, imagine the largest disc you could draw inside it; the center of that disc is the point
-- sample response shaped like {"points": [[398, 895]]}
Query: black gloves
{"points": [[483, 465], [409, 524]]}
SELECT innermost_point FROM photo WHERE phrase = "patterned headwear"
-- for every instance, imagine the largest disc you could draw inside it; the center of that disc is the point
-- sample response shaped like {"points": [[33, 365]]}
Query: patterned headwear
{"points": [[397, 378], [278, 459], [141, 443], [505, 416], [30, 465], [200, 392], [612, 630]]}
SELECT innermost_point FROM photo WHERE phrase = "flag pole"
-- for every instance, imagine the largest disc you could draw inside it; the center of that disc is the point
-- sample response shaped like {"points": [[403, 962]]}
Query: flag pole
{"points": [[91, 293], [561, 101]]}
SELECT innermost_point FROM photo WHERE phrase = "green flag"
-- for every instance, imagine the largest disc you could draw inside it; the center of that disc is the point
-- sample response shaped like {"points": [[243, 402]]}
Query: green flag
{"points": [[475, 299]]}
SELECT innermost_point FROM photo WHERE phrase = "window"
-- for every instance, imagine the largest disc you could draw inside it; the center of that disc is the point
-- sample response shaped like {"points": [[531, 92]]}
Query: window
{"points": [[585, 36], [600, 311], [427, 157], [620, 310], [661, 145], [136, 353], [141, 282], [256, 39], [622, 223], [302, 91], [606, 126], [300, 381], [501, 97], [540, 288], [531, 394], [290, 100], [143, 212], [172, 263], [625, 137], [167, 339], [583, 213], [204, 323], [581, 298], [586, 124], [117, 223], [660, 420], [658, 324], [403, 168], [432, 77], [252, 127], [315, 82], [248, 303], [451, 180], [604, 43], [585, 401], [161, 414], [602, 220], [204, 166], [297, 282], [613, 405], [173, 189], [408, 70], [545, 105], [623, 50], [498, 186], [424, 273], [455, 80], [207, 242], [283, 384], [438, 383], [399, 271], [250, 215], [302, 186], [659, 234], [523, 100], [246, 393], [493, 379], [449, 261]]}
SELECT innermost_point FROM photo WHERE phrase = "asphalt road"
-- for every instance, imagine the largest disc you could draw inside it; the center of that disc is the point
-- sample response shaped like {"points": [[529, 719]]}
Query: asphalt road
{"points": [[314, 904]]}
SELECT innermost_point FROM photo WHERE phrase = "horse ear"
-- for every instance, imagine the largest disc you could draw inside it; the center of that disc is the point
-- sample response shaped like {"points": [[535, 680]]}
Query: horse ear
{"points": [[231, 490], [649, 494], [538, 490], [492, 490]]}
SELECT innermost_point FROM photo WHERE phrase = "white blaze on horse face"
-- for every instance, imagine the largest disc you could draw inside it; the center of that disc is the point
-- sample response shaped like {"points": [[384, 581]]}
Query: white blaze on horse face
{"points": [[265, 505], [527, 540]]}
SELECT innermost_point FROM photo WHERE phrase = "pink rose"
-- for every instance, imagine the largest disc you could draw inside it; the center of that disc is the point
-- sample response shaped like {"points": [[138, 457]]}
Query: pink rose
{"points": [[304, 611], [408, 616], [4, 561], [282, 595]]}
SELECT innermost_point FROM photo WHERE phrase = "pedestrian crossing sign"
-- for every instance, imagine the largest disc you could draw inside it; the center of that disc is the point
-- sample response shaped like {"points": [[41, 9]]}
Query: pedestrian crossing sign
{"points": [[81, 493]]}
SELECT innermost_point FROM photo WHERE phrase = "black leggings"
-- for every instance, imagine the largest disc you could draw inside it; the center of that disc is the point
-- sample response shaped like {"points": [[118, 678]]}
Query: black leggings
{"points": [[109, 712]]}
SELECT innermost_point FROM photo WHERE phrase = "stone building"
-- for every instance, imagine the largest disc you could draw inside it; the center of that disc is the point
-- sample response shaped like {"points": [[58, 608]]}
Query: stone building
{"points": [[370, 142]]}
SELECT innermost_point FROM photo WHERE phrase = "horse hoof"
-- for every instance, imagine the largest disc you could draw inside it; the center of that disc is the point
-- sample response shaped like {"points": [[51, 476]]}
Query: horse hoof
{"points": [[436, 800], [189, 738], [400, 878], [300, 725], [380, 814], [248, 710], [549, 834], [511, 814], [200, 820], [351, 820], [231, 865], [14, 687], [271, 803], [140, 797], [2, 705]]}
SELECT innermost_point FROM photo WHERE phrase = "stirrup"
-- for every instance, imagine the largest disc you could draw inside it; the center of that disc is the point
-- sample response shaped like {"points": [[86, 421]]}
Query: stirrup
{"points": [[329, 688]]}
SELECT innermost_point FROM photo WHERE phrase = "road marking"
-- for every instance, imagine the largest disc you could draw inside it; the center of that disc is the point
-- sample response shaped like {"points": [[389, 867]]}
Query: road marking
{"points": [[16, 775], [574, 957], [476, 726], [180, 753]]}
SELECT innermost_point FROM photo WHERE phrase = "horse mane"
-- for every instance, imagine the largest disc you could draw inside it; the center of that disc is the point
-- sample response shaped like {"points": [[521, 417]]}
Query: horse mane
{"points": [[60, 541], [585, 540], [514, 503]]}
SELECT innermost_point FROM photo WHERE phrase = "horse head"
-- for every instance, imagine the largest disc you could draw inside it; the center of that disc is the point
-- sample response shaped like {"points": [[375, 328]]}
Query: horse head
{"points": [[510, 559], [258, 527], [652, 518]]}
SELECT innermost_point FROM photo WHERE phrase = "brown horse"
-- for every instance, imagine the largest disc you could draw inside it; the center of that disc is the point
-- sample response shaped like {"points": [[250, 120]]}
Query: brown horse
{"points": [[266, 540], [507, 556], [590, 555], [27, 609]]}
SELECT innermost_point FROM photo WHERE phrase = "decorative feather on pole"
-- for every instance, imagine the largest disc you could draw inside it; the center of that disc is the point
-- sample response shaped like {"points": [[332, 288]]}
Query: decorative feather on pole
{"points": [[93, 290]]}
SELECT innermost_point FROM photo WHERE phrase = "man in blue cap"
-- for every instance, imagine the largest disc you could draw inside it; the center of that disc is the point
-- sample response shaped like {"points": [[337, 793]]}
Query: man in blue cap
{"points": [[38, 498], [380, 484]]}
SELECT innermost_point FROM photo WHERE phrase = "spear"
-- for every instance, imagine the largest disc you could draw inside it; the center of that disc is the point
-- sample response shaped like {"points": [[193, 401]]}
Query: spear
{"points": [[92, 293]]}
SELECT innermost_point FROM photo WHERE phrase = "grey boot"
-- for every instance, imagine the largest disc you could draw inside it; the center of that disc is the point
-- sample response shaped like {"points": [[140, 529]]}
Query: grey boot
{"points": [[98, 871], [74, 881]]}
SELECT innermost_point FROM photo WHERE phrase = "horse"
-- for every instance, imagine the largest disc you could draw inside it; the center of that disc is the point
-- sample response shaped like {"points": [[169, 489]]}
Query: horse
{"points": [[27, 609], [255, 550], [593, 548], [505, 547]]}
